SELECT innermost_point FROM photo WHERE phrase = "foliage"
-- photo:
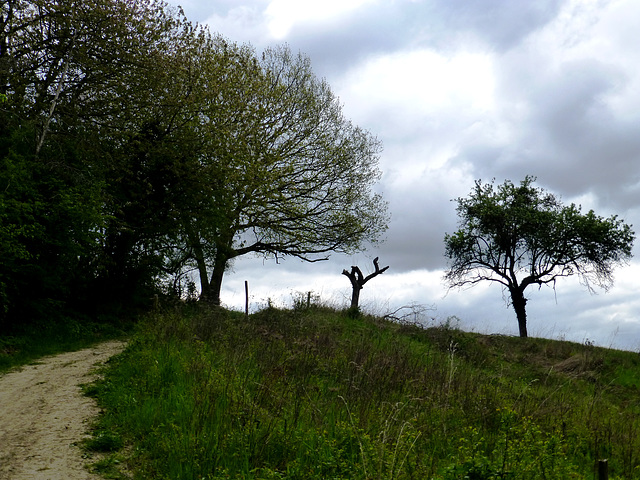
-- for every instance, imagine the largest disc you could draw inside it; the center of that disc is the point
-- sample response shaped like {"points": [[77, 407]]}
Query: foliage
{"points": [[311, 393], [298, 176], [65, 68], [136, 147], [519, 236], [47, 217], [519, 449]]}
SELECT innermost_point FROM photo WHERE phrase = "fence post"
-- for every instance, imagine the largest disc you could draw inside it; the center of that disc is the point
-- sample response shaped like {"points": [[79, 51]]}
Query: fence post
{"points": [[246, 300], [603, 469]]}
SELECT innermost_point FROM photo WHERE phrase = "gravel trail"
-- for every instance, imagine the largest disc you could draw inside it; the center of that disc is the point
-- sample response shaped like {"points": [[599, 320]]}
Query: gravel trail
{"points": [[44, 415]]}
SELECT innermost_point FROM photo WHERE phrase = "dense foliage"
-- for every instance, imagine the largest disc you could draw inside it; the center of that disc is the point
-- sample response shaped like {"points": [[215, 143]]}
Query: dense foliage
{"points": [[520, 235], [136, 146], [314, 394]]}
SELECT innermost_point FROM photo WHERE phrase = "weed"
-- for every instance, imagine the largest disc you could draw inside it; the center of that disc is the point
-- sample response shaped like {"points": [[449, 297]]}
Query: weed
{"points": [[353, 312], [109, 467], [104, 442], [305, 300], [518, 450]]}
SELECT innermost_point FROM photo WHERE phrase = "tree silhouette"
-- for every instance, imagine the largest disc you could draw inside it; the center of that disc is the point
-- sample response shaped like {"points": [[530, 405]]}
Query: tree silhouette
{"points": [[358, 280], [521, 235]]}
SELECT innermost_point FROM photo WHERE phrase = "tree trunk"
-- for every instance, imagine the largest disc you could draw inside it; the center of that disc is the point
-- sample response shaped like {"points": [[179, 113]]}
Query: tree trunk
{"points": [[215, 284], [355, 296], [519, 305], [202, 269]]}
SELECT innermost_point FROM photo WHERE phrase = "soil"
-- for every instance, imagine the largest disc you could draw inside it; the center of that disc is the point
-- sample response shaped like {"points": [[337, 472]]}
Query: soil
{"points": [[44, 416]]}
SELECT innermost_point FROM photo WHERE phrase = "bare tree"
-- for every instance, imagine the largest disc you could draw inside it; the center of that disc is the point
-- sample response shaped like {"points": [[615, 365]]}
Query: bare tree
{"points": [[358, 280]]}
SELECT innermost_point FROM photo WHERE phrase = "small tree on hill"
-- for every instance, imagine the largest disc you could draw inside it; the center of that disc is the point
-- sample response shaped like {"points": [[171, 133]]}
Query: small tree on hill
{"points": [[358, 280], [521, 235]]}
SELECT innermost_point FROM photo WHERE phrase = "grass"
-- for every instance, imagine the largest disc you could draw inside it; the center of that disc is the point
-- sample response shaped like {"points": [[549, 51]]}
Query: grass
{"points": [[26, 344], [313, 393]]}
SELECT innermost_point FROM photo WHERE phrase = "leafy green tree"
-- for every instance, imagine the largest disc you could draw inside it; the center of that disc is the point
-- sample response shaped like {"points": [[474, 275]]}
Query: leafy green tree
{"points": [[48, 220], [153, 179], [136, 146], [287, 174], [519, 236], [78, 81]]}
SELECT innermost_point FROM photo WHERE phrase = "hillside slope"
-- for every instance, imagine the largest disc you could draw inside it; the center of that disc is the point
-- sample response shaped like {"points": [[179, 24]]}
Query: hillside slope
{"points": [[312, 393]]}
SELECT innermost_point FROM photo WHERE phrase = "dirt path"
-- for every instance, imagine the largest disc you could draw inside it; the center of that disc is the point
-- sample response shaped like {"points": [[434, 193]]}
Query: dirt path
{"points": [[43, 415]]}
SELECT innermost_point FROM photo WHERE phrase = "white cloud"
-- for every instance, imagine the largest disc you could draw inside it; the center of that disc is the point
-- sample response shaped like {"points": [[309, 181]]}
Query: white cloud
{"points": [[283, 15], [421, 83], [241, 23]]}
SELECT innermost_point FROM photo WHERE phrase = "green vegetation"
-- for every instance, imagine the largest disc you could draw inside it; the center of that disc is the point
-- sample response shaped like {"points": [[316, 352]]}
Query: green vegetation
{"points": [[519, 236], [311, 393], [137, 147], [36, 340]]}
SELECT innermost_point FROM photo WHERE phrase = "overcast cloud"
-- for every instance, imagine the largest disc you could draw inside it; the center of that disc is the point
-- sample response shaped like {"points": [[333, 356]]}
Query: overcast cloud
{"points": [[459, 91]]}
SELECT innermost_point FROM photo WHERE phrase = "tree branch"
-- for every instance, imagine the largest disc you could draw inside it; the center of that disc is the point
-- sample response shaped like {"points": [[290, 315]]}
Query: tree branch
{"points": [[356, 277]]}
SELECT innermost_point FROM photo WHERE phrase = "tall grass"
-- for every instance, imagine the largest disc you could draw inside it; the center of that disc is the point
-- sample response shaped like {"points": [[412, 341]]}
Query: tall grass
{"points": [[311, 393]]}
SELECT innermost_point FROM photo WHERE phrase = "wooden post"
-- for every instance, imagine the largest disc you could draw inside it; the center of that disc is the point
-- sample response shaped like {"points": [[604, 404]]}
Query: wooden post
{"points": [[308, 299], [603, 469], [246, 300]]}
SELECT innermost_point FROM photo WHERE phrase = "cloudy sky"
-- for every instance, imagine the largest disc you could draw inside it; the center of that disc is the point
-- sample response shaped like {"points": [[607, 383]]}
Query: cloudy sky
{"points": [[460, 90]]}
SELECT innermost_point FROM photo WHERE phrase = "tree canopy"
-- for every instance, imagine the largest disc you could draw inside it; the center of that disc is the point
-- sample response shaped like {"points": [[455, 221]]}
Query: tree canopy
{"points": [[521, 235], [293, 175], [136, 147], [58, 70]]}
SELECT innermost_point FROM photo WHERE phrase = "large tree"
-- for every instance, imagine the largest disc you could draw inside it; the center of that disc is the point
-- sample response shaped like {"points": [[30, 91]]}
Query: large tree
{"points": [[154, 177], [521, 235], [135, 145], [78, 79], [288, 174]]}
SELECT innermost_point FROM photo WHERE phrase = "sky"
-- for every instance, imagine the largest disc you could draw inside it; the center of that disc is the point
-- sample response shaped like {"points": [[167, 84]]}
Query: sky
{"points": [[459, 91]]}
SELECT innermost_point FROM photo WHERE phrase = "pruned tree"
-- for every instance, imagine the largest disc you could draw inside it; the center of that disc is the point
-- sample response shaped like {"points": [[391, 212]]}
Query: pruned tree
{"points": [[520, 235], [358, 280]]}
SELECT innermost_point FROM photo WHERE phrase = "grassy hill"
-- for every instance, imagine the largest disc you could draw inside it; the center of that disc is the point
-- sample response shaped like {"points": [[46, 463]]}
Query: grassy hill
{"points": [[311, 393]]}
